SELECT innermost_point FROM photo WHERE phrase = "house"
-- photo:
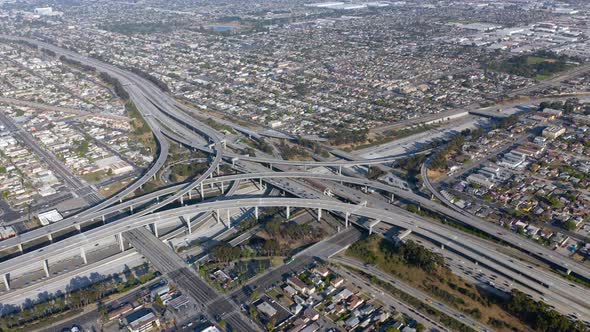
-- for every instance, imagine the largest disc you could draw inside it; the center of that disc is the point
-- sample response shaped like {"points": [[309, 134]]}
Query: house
{"points": [[343, 295], [313, 327], [354, 302], [266, 309], [351, 323], [337, 282], [300, 286], [322, 271], [311, 314], [289, 291]]}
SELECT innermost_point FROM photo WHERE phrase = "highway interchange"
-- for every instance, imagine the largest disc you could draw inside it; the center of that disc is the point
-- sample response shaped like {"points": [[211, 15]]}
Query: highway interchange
{"points": [[171, 120]]}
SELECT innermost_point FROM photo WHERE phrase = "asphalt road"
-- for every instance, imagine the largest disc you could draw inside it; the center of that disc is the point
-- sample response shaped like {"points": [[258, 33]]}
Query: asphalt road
{"points": [[170, 264]]}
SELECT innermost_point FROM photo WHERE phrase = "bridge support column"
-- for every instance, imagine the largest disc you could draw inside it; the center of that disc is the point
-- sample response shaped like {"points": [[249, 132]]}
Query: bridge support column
{"points": [[121, 243], [78, 228], [202, 191], [120, 200], [392, 198], [46, 267], [228, 218], [372, 225], [217, 216], [187, 219], [270, 166], [256, 212], [50, 237], [288, 212], [83, 255], [6, 278], [319, 214], [131, 208], [103, 219], [222, 187], [339, 170], [181, 199], [346, 216], [568, 272], [218, 170], [155, 229], [20, 248], [190, 196], [442, 247]]}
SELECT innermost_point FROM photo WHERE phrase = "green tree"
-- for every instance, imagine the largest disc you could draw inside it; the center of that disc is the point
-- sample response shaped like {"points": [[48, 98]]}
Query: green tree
{"points": [[570, 225]]}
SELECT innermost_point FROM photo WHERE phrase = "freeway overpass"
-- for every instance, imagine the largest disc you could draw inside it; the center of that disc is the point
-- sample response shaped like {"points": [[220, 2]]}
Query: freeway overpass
{"points": [[549, 285], [77, 222], [472, 221], [564, 263]]}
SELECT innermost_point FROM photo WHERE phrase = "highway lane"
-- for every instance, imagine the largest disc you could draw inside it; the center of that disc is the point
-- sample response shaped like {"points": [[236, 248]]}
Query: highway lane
{"points": [[301, 163], [164, 147], [46, 107], [152, 103], [333, 177], [559, 290], [260, 173], [525, 244], [492, 251], [142, 105], [359, 181], [404, 287]]}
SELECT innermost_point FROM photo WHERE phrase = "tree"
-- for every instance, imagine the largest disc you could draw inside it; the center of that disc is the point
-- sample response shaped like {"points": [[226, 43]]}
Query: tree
{"points": [[570, 225], [273, 227], [271, 247], [420, 327], [225, 253], [254, 296]]}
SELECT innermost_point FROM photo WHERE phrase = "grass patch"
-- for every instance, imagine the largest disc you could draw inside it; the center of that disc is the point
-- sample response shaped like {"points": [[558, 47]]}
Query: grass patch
{"points": [[94, 176], [436, 280], [533, 60], [113, 188]]}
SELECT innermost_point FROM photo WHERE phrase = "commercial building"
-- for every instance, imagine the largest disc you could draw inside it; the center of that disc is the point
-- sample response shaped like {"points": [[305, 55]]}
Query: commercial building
{"points": [[6, 232], [553, 132], [142, 320], [480, 180], [49, 217]]}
